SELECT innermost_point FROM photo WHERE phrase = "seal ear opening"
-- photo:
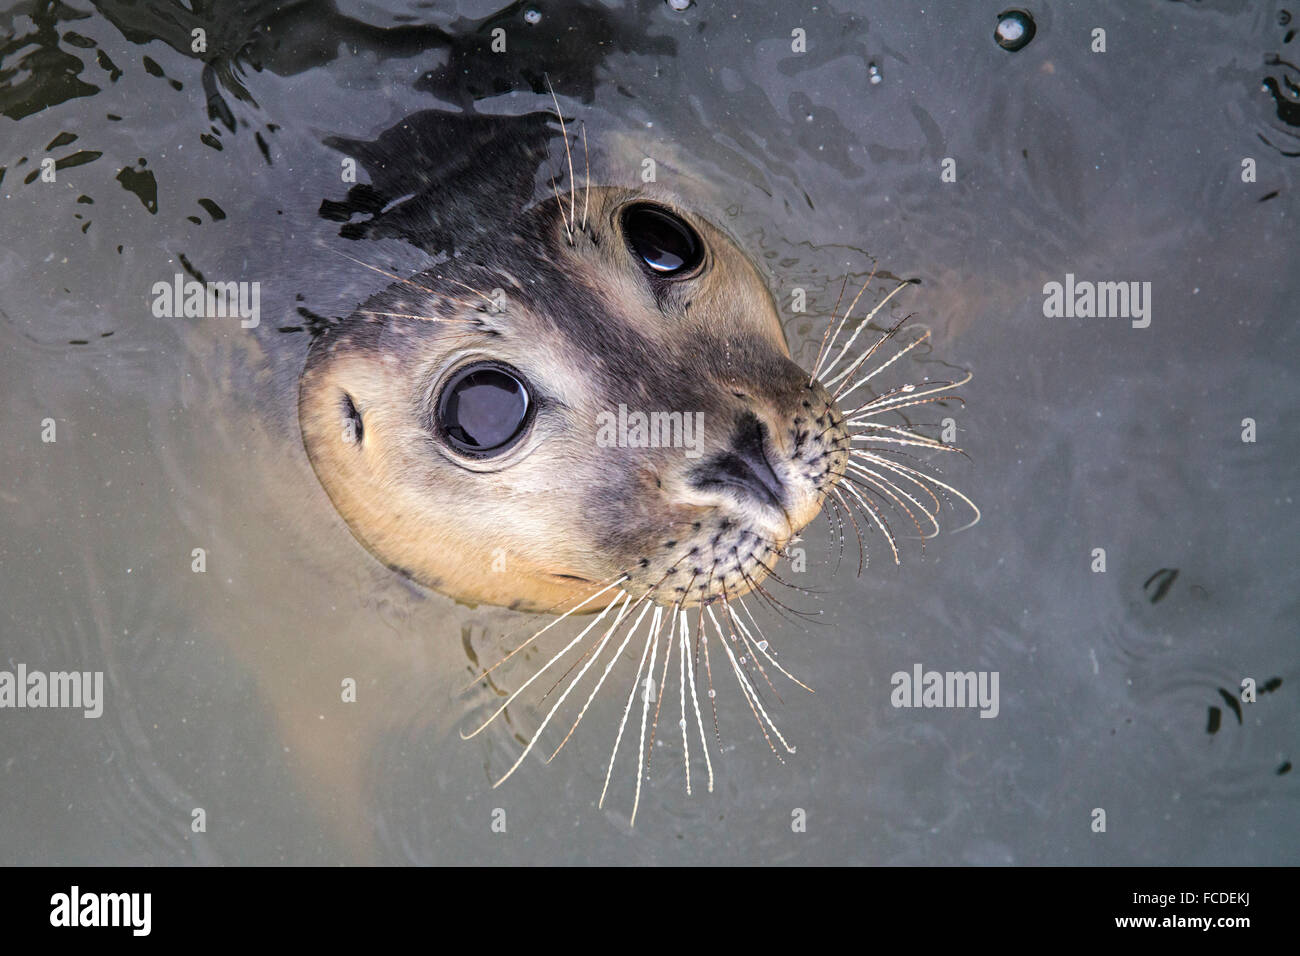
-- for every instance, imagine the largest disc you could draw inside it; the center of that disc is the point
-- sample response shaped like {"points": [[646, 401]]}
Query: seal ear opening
{"points": [[354, 429]]}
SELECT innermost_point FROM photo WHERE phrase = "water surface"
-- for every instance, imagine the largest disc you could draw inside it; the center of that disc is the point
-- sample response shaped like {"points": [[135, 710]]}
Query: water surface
{"points": [[222, 688]]}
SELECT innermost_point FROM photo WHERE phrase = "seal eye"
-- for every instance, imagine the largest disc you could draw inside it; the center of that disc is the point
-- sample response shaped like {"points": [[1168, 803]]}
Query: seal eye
{"points": [[667, 245], [483, 409]]}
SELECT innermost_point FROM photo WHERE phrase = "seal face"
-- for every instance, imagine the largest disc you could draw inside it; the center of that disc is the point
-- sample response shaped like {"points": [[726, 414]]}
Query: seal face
{"points": [[592, 395]]}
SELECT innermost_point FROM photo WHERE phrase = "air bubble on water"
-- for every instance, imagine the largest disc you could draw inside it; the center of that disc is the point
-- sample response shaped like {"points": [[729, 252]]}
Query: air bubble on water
{"points": [[682, 723], [712, 692], [873, 73], [742, 659], [909, 388], [680, 5], [1014, 30], [762, 645], [533, 15]]}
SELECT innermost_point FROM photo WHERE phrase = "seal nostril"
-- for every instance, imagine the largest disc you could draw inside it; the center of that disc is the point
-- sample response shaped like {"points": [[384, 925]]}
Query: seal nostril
{"points": [[745, 466], [749, 444]]}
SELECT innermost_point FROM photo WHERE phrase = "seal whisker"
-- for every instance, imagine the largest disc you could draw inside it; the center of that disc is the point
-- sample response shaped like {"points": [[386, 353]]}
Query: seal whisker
{"points": [[730, 617], [908, 473], [538, 634], [771, 572], [762, 644], [873, 513], [910, 433], [702, 637], [859, 488], [845, 376], [405, 280], [863, 417], [673, 634], [862, 554], [595, 690], [569, 670], [856, 460], [645, 709], [780, 608], [817, 368], [468, 288], [879, 453], [842, 392], [858, 464], [746, 691], [880, 489], [839, 517], [751, 696], [586, 194], [570, 219], [830, 325], [920, 479], [866, 322], [424, 318], [563, 219], [556, 706], [543, 669], [744, 658], [762, 595], [836, 423], [871, 482], [659, 692], [900, 436], [946, 487], [694, 697], [905, 395], [618, 738]]}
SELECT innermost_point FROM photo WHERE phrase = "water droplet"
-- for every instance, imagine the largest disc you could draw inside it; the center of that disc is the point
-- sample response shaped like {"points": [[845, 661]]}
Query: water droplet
{"points": [[909, 388], [873, 73], [712, 692], [533, 15], [680, 5], [762, 645], [682, 723], [742, 658], [808, 118], [1015, 29]]}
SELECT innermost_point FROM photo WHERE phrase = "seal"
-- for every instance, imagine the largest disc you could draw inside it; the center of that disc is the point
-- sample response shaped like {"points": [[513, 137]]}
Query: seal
{"points": [[589, 405]]}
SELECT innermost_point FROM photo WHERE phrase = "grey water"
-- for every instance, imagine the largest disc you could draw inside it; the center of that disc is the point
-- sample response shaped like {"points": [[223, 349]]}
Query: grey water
{"points": [[1134, 573]]}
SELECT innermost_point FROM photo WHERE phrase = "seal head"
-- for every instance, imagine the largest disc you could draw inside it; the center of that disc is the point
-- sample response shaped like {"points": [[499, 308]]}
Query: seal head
{"points": [[601, 392]]}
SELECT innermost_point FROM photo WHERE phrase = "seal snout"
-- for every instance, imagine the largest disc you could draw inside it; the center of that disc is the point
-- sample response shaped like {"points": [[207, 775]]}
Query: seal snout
{"points": [[744, 466]]}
